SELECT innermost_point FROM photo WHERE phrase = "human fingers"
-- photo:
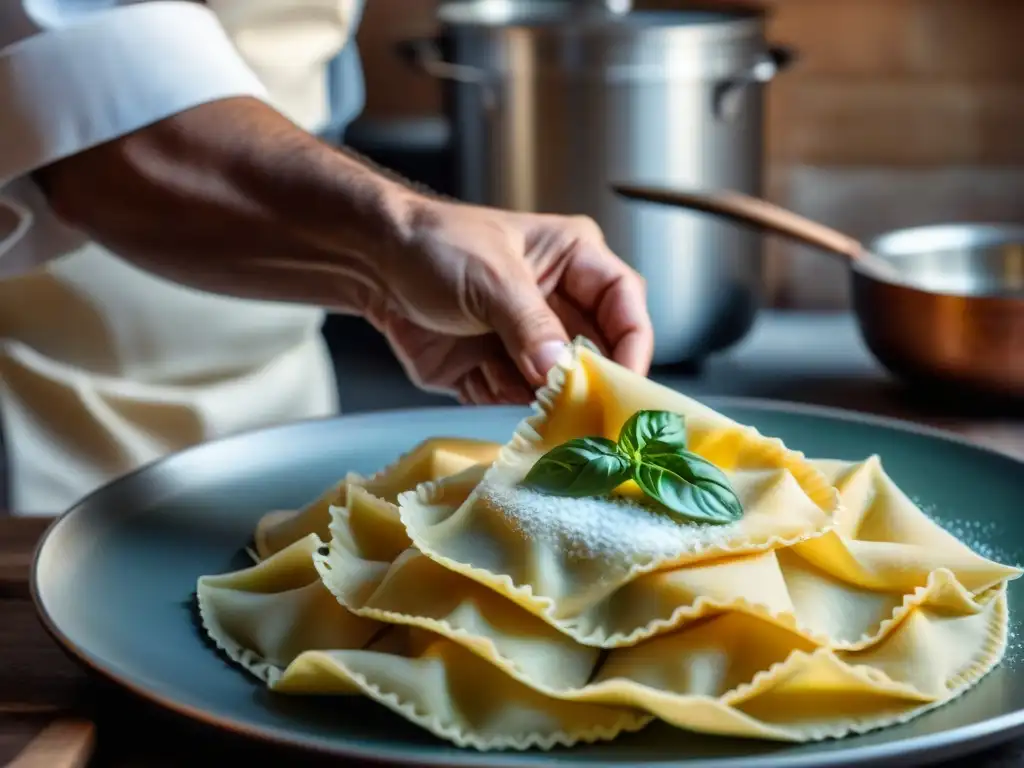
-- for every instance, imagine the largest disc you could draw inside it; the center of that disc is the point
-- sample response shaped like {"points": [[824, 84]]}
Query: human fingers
{"points": [[506, 296], [576, 322], [572, 258], [613, 297], [506, 382]]}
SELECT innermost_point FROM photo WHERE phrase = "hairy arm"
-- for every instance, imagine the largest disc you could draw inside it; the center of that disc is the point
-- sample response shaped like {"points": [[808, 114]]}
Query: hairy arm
{"points": [[231, 197], [146, 130]]}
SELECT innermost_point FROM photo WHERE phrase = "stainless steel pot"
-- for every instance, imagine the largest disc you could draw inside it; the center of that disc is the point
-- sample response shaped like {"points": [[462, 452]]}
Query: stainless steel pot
{"points": [[551, 101]]}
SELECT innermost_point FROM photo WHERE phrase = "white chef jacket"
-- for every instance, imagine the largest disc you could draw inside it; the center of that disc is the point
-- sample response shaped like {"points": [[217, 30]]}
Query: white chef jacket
{"points": [[105, 367]]}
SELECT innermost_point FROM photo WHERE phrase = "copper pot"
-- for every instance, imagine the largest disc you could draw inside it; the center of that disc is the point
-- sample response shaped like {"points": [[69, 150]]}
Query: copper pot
{"points": [[940, 305]]}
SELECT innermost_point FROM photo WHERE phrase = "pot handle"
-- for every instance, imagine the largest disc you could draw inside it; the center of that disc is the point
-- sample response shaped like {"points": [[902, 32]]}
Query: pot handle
{"points": [[424, 54], [726, 94]]}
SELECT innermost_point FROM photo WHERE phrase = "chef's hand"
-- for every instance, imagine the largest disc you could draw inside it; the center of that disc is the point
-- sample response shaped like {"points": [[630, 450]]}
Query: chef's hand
{"points": [[481, 302]]}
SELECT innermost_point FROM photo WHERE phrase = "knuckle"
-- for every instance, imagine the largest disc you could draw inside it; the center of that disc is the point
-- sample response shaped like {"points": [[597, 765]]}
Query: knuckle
{"points": [[479, 283], [638, 280], [586, 227]]}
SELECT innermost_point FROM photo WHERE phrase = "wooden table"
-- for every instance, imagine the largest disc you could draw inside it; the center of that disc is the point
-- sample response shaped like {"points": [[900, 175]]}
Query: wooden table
{"points": [[817, 360]]}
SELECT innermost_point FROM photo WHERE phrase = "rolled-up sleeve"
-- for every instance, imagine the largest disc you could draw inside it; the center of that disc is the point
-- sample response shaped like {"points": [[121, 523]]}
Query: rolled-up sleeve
{"points": [[67, 87]]}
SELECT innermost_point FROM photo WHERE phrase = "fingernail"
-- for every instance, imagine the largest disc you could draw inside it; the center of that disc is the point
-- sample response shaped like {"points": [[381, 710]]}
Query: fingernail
{"points": [[546, 356]]}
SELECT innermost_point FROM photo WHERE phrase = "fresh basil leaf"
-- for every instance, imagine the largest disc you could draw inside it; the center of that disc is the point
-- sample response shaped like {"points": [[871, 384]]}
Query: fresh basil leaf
{"points": [[646, 427], [688, 485], [586, 466]]}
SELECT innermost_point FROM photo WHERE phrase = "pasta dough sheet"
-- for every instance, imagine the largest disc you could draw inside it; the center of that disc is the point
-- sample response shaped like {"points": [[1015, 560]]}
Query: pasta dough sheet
{"points": [[407, 588]]}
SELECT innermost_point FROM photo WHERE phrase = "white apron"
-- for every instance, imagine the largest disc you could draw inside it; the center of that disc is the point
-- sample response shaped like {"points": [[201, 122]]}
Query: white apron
{"points": [[104, 367]]}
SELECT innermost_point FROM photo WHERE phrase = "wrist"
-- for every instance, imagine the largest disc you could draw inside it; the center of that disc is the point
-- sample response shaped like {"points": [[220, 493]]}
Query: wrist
{"points": [[360, 220], [393, 219]]}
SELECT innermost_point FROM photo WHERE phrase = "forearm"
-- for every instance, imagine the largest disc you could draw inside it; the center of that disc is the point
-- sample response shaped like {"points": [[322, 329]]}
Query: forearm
{"points": [[232, 197]]}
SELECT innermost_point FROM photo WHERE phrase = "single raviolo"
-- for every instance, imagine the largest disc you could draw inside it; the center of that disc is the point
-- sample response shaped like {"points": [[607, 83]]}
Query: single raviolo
{"points": [[873, 619], [567, 560]]}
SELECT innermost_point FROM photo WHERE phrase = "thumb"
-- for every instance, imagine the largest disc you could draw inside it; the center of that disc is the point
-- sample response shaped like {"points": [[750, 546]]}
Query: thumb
{"points": [[529, 329]]}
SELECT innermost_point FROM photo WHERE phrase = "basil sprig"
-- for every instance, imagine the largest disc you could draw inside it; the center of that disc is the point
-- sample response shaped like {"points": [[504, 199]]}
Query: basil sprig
{"points": [[651, 451], [586, 466]]}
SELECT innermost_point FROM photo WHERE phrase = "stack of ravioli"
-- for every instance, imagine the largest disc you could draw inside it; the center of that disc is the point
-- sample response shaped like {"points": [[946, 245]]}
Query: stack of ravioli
{"points": [[833, 606]]}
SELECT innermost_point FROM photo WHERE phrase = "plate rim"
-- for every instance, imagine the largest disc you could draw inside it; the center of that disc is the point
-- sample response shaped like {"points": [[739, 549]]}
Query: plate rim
{"points": [[954, 741]]}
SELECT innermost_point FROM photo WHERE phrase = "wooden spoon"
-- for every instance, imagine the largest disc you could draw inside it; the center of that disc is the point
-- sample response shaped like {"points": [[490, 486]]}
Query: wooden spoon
{"points": [[743, 209]]}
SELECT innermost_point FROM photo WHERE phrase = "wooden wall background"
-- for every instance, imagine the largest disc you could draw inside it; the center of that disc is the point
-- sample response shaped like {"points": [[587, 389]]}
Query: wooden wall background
{"points": [[899, 112]]}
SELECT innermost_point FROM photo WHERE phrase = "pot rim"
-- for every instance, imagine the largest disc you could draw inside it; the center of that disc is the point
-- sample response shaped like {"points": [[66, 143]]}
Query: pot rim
{"points": [[549, 18], [930, 239], [927, 238]]}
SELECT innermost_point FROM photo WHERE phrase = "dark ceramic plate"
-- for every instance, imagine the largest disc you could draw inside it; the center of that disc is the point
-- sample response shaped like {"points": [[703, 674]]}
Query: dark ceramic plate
{"points": [[114, 576]]}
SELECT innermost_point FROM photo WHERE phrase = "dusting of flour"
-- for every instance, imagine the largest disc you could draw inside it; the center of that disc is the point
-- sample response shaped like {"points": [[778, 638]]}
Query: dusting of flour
{"points": [[602, 528]]}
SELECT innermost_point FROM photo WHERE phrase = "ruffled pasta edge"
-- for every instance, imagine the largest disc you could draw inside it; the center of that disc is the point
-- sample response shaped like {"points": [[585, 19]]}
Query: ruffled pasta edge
{"points": [[269, 674], [987, 657]]}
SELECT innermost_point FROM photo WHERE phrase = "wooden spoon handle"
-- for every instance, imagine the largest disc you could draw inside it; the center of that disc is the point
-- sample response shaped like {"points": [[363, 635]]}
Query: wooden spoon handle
{"points": [[744, 209]]}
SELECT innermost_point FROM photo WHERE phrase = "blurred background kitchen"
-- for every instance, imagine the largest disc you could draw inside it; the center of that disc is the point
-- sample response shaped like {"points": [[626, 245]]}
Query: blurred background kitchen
{"points": [[891, 114]]}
